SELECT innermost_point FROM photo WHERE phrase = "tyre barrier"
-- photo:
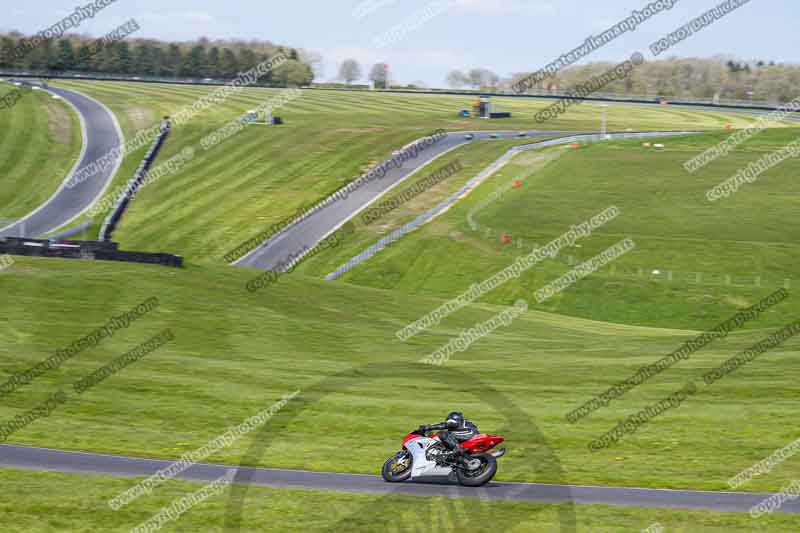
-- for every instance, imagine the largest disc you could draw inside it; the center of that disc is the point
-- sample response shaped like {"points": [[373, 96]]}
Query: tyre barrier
{"points": [[98, 250], [114, 217]]}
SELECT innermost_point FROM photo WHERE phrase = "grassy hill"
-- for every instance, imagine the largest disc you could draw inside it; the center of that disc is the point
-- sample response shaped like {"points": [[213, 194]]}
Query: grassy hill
{"points": [[695, 261], [40, 140], [231, 192], [236, 353]]}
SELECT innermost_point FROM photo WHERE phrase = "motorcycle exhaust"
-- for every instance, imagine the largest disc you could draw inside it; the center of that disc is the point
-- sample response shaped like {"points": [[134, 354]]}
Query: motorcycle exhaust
{"points": [[498, 453]]}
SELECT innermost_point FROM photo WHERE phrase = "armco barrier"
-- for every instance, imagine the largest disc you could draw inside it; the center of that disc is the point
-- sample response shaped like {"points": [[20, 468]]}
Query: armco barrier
{"points": [[113, 218], [100, 250]]}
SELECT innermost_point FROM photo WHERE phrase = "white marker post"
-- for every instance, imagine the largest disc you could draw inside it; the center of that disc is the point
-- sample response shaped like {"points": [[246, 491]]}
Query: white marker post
{"points": [[604, 122]]}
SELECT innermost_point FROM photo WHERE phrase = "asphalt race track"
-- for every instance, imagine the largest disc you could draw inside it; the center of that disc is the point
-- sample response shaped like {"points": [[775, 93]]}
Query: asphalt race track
{"points": [[101, 133], [90, 463]]}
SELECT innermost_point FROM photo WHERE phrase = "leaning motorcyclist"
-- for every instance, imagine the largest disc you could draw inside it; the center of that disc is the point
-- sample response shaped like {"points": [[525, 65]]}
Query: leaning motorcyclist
{"points": [[456, 425]]}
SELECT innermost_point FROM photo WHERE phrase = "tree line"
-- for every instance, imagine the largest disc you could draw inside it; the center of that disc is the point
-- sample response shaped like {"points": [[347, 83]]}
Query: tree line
{"points": [[712, 78], [350, 71], [379, 75], [149, 57]]}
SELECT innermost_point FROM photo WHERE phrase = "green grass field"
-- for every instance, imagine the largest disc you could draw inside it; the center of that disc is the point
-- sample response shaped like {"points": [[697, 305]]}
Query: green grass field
{"points": [[740, 246], [229, 193], [40, 140], [235, 353]]}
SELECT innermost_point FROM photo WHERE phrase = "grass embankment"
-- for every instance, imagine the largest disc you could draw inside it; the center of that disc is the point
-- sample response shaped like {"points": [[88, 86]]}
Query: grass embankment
{"points": [[235, 353], [695, 261], [262, 175], [40, 140]]}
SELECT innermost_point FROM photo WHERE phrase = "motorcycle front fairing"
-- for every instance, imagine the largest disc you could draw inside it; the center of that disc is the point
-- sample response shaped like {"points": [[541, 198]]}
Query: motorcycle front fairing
{"points": [[421, 466]]}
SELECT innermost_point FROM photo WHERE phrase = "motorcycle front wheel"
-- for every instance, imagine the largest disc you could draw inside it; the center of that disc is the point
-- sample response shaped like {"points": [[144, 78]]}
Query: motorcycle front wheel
{"points": [[397, 468], [480, 475]]}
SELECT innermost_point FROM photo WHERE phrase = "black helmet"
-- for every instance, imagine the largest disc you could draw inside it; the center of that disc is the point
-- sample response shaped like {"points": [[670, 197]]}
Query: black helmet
{"points": [[454, 420]]}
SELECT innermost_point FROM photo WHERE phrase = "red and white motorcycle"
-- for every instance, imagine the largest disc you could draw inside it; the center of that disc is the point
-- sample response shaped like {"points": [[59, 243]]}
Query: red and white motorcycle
{"points": [[470, 462]]}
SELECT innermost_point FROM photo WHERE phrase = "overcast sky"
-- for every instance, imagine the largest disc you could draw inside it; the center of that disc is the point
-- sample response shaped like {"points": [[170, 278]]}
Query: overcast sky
{"points": [[505, 36]]}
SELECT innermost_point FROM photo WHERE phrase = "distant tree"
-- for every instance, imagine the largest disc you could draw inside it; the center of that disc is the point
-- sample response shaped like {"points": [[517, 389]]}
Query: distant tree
{"points": [[229, 65], [51, 56], [41, 57], [194, 65], [247, 59], [143, 62], [94, 57], [350, 71], [314, 60], [457, 79], [269, 76], [481, 77], [735, 67], [475, 77], [124, 59], [6, 53], [65, 59], [107, 60], [7, 59], [379, 75], [83, 58], [212, 63], [173, 60], [221, 59], [294, 73], [157, 57]]}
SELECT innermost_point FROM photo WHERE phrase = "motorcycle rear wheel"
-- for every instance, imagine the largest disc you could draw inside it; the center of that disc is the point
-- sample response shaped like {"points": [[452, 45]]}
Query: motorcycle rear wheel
{"points": [[480, 476], [395, 473]]}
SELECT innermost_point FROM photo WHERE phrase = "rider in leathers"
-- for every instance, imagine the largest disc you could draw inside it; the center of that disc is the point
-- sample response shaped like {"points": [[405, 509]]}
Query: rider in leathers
{"points": [[455, 425]]}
